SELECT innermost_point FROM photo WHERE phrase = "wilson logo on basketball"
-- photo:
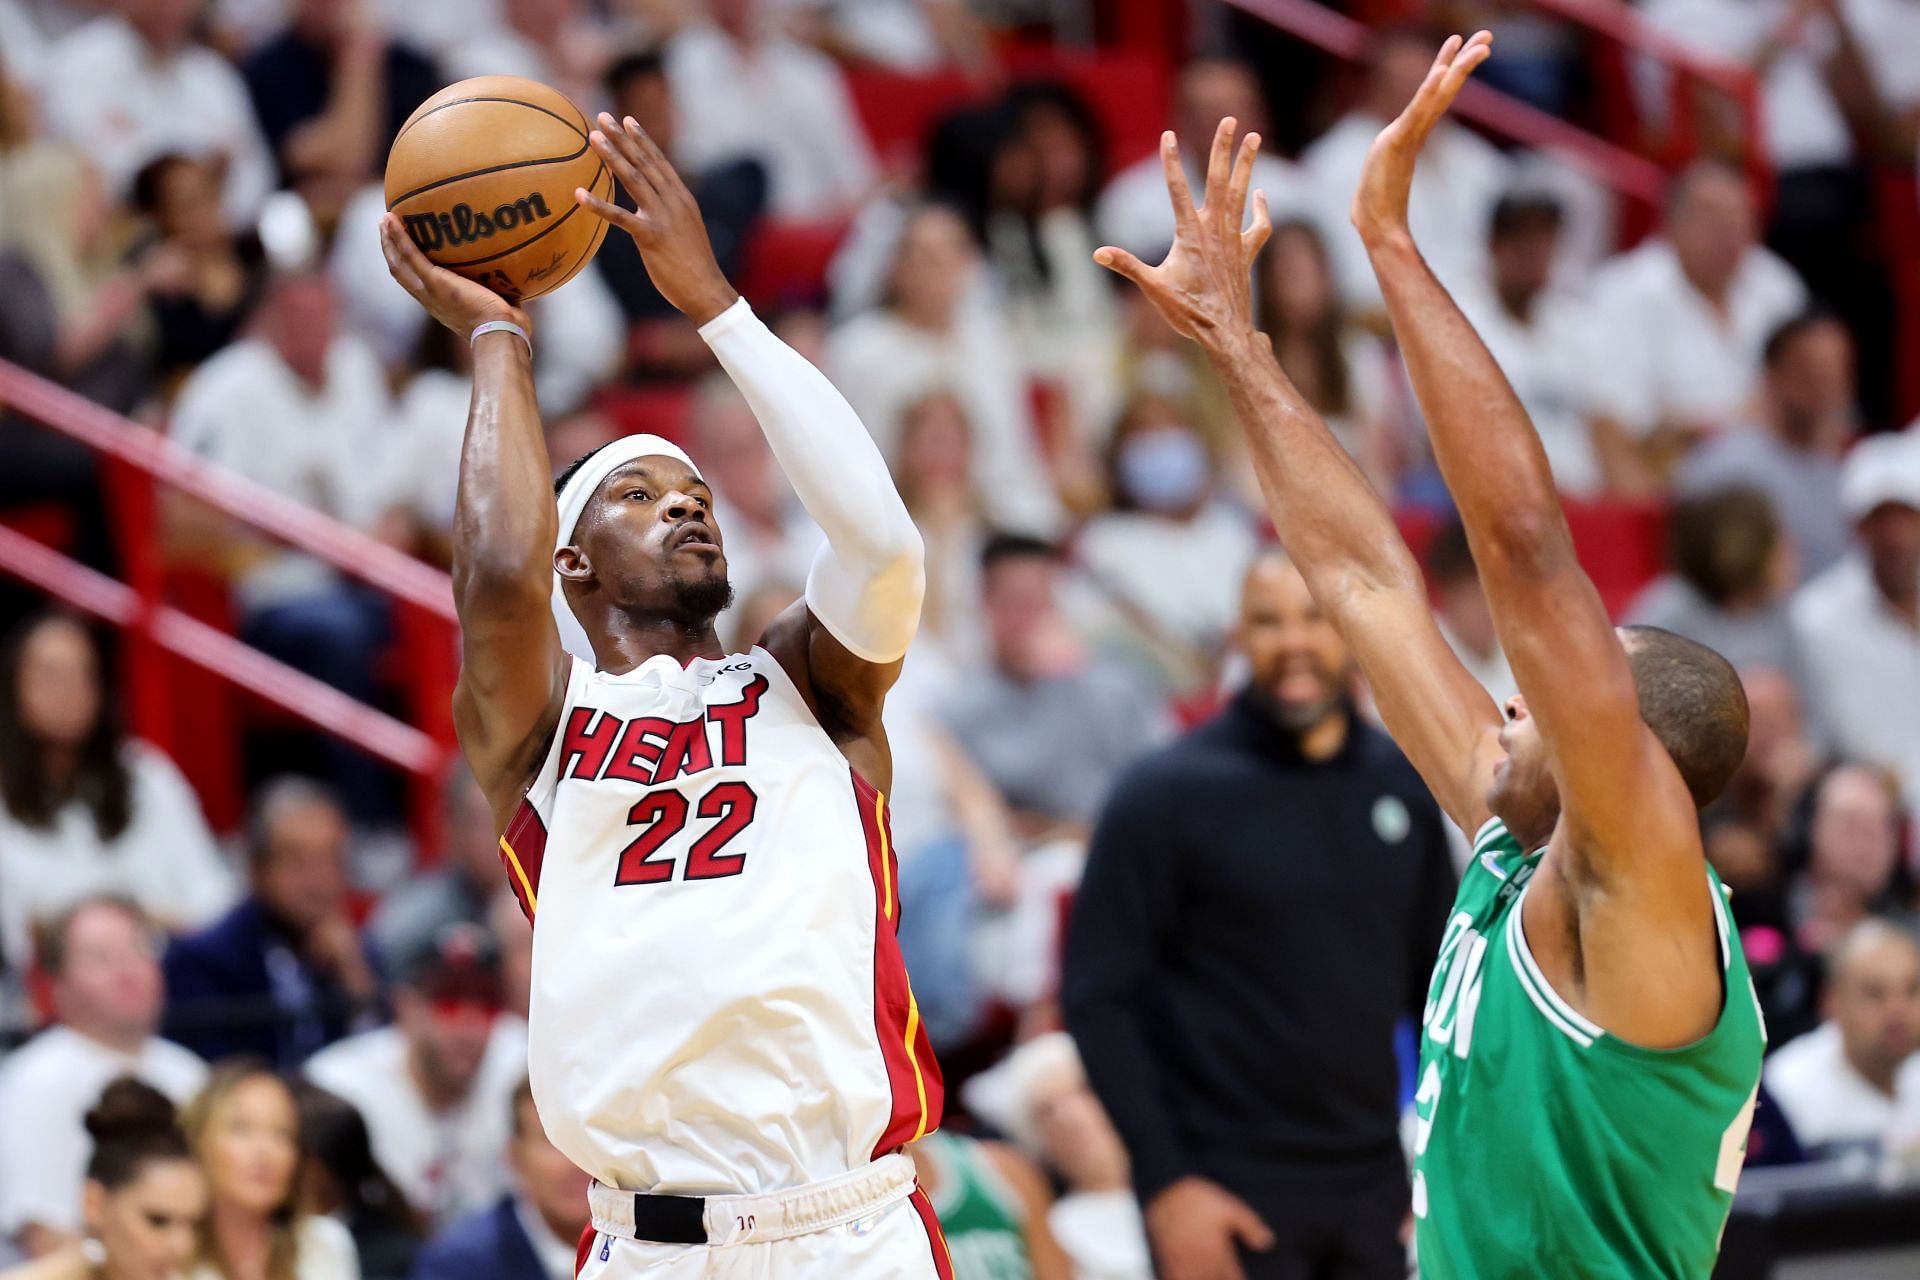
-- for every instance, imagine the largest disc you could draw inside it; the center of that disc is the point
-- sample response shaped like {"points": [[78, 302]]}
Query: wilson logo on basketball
{"points": [[462, 225]]}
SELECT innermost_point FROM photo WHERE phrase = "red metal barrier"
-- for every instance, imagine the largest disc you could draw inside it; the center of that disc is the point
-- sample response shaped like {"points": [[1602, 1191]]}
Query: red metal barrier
{"points": [[134, 461]]}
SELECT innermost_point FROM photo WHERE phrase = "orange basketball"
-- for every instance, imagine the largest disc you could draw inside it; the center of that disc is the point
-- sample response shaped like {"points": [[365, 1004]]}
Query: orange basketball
{"points": [[483, 174]]}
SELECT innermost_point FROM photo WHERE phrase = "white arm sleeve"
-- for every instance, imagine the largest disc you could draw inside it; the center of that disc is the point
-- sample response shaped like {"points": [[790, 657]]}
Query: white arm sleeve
{"points": [[868, 578]]}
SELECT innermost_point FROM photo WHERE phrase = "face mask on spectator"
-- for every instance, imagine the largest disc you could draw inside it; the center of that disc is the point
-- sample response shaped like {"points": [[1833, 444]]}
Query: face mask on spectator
{"points": [[1165, 469]]}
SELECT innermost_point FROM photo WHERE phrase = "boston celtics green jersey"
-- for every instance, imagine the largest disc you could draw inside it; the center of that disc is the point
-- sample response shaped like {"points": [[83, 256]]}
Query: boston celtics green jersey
{"points": [[1545, 1146], [979, 1213]]}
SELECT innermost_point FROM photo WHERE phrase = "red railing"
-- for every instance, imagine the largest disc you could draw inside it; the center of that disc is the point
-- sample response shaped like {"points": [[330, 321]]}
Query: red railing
{"points": [[135, 462]]}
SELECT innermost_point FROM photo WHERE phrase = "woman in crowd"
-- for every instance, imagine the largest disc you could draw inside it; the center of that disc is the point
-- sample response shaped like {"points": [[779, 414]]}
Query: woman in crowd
{"points": [[84, 809], [933, 467], [345, 1182], [212, 278], [1342, 370], [245, 1127], [1170, 552], [933, 328], [145, 1196]]}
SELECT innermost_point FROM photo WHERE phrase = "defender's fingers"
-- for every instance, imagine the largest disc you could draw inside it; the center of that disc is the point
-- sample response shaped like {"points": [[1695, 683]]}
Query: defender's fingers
{"points": [[1220, 170], [653, 161], [1236, 201], [625, 219], [1176, 181], [1254, 238], [1252, 1229], [1120, 262], [613, 145]]}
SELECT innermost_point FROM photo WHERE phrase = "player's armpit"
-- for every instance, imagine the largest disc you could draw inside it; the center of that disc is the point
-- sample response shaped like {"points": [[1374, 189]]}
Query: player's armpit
{"points": [[845, 692]]}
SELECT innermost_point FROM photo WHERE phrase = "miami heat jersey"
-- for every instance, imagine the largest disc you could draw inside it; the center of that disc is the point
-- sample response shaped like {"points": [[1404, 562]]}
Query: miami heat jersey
{"points": [[719, 1004]]}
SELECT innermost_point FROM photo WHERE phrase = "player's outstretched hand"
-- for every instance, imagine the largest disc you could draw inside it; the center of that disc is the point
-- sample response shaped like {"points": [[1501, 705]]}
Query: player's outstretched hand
{"points": [[666, 225], [1204, 289], [1386, 180], [455, 301]]}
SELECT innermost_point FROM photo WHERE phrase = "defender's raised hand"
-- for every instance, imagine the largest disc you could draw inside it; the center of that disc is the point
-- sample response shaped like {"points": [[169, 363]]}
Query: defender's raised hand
{"points": [[666, 225], [1386, 180], [1204, 289]]}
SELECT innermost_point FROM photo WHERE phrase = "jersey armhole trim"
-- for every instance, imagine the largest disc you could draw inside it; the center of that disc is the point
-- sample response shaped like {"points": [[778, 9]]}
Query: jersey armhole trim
{"points": [[1487, 833], [1556, 1011]]}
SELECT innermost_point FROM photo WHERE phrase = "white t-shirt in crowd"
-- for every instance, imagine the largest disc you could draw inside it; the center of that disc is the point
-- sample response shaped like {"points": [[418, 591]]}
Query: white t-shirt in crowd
{"points": [[47, 1086], [1660, 350], [103, 89], [1548, 358], [1183, 576], [327, 447], [1888, 32], [883, 364], [165, 860], [777, 102], [1460, 179], [1136, 213], [1103, 1234], [1827, 1101], [23, 47], [1863, 669], [1799, 118], [322, 1250], [449, 1162]]}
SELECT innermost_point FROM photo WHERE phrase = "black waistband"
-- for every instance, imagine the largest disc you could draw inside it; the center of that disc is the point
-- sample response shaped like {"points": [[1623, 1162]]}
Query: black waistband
{"points": [[670, 1219]]}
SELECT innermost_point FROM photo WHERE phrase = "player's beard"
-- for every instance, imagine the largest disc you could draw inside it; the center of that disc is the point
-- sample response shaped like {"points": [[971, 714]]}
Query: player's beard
{"points": [[703, 597]]}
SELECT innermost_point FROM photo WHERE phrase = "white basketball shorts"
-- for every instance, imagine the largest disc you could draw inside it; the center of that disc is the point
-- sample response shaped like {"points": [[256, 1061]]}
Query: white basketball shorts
{"points": [[871, 1224]]}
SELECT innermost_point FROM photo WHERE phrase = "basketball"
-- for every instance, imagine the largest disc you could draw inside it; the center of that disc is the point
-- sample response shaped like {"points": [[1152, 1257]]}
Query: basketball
{"points": [[482, 175]]}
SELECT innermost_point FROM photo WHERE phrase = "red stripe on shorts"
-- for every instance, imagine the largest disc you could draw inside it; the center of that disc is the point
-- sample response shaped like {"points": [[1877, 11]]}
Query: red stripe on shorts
{"points": [[585, 1251], [936, 1238]]}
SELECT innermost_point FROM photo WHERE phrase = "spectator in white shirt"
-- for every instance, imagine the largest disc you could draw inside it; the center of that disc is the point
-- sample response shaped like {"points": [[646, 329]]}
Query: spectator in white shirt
{"points": [[245, 1127], [1791, 453], [1855, 1080], [1135, 213], [756, 94], [1859, 622], [1171, 552], [83, 809], [303, 409], [1342, 370], [935, 330], [100, 958], [552, 41], [533, 1231], [435, 1087], [1680, 321], [1461, 175], [1538, 332], [132, 86]]}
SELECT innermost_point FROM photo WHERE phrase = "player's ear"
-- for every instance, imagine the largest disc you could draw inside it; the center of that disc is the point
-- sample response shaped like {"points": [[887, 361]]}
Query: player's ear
{"points": [[570, 562]]}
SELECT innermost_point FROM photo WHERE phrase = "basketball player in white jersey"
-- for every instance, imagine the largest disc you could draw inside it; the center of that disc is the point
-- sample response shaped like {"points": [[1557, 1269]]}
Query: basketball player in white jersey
{"points": [[722, 1032]]}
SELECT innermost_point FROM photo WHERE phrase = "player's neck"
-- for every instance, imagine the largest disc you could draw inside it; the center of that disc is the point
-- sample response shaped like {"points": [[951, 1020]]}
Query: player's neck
{"points": [[627, 641]]}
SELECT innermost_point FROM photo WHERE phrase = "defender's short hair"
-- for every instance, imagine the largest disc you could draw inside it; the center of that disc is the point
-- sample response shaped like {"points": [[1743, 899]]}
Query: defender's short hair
{"points": [[1692, 699]]}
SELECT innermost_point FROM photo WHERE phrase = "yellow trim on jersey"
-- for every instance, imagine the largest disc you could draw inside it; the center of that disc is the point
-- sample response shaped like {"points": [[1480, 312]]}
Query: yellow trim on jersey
{"points": [[919, 1080], [886, 869], [526, 886]]}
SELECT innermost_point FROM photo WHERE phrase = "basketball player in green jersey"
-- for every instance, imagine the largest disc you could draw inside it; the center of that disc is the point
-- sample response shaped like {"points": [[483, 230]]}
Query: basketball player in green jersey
{"points": [[1591, 1043]]}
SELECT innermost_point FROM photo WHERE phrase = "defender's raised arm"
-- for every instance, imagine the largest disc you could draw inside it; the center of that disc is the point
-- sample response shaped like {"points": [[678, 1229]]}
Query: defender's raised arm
{"points": [[1331, 521], [1632, 870]]}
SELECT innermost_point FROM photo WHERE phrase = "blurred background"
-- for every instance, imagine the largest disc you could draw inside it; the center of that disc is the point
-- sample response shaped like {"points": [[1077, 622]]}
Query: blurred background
{"points": [[240, 859]]}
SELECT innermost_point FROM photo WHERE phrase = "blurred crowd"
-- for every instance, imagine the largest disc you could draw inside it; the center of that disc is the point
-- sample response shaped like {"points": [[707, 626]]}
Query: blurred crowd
{"points": [[189, 191]]}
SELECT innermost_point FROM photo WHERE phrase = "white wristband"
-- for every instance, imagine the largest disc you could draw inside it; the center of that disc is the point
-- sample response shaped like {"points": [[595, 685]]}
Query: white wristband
{"points": [[501, 326]]}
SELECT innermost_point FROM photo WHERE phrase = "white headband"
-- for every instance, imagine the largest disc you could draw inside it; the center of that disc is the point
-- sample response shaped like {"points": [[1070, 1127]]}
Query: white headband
{"points": [[573, 499]]}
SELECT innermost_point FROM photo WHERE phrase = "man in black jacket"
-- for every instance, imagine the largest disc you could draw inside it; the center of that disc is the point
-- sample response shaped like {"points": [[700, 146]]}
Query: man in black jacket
{"points": [[1262, 903]]}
